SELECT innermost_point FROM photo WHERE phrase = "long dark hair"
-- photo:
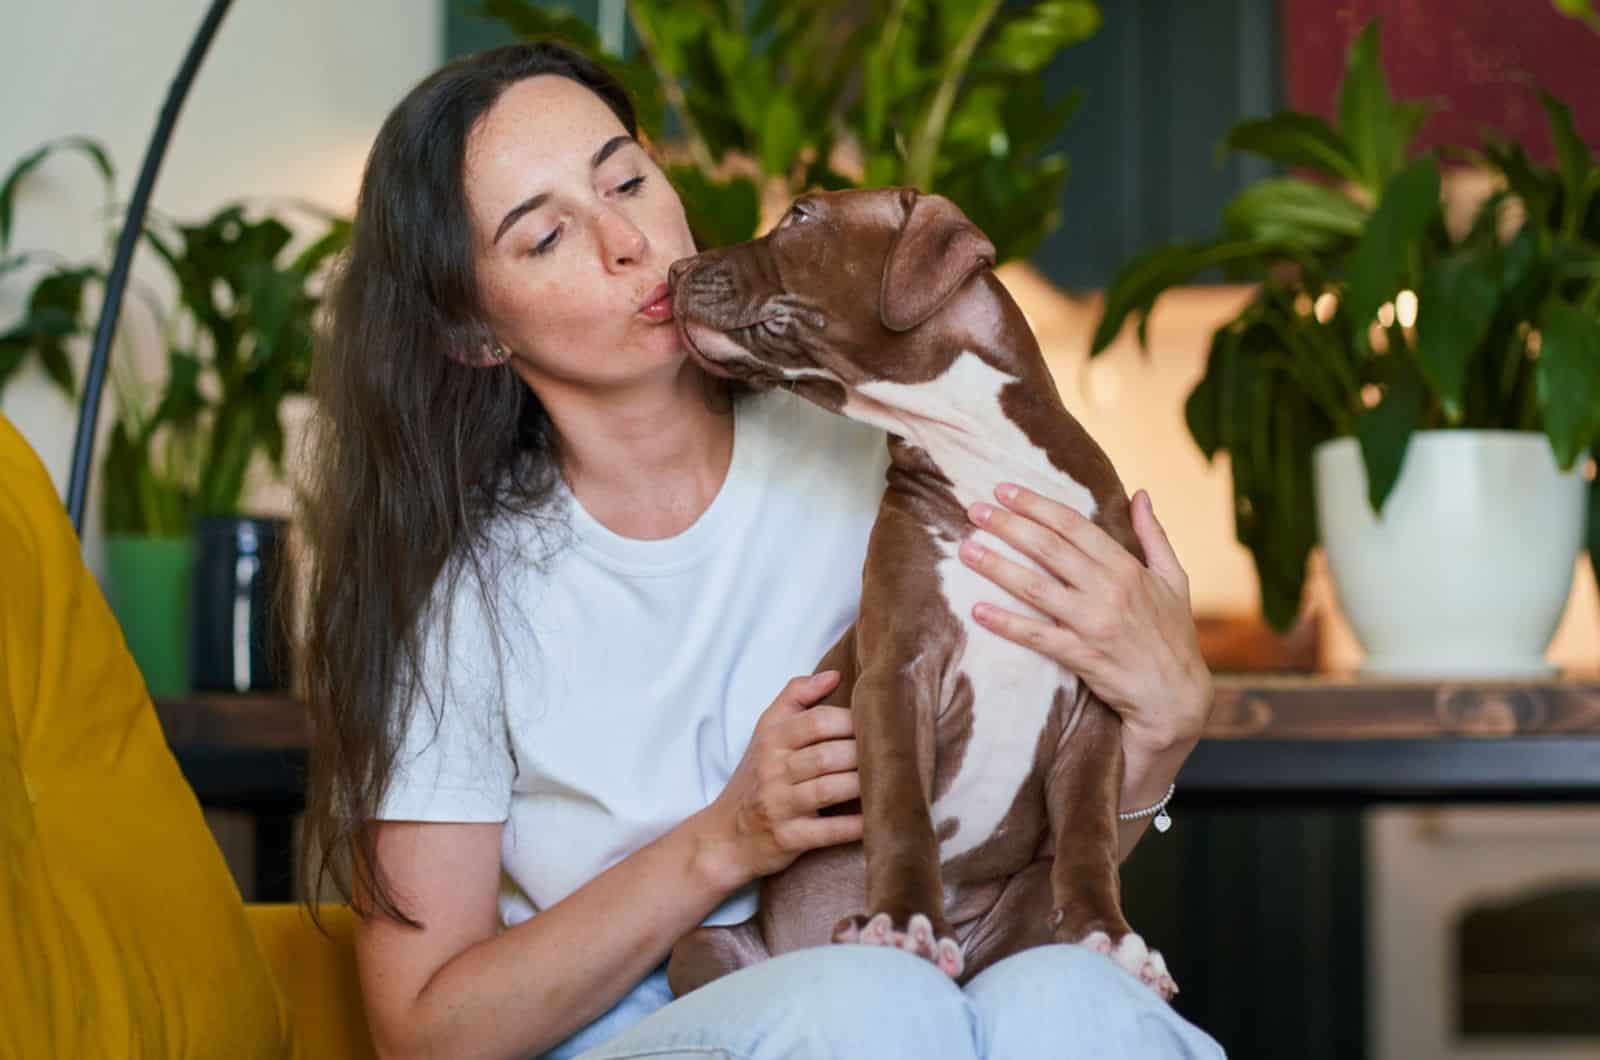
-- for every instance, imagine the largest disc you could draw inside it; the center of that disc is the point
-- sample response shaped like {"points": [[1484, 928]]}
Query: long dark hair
{"points": [[414, 454]]}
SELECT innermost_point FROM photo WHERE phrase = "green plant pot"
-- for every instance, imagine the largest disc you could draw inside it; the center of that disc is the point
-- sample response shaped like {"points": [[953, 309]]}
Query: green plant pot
{"points": [[148, 583]]}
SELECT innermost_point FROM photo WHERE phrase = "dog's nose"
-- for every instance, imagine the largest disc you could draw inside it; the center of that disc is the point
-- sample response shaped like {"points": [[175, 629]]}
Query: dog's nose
{"points": [[676, 271]]}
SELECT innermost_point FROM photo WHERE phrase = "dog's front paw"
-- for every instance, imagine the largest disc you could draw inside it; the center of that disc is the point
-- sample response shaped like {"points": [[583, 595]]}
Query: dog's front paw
{"points": [[916, 937], [1135, 958]]}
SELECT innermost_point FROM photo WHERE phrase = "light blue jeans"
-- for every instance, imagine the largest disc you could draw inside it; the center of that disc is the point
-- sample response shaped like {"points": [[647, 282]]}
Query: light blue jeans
{"points": [[877, 1003]]}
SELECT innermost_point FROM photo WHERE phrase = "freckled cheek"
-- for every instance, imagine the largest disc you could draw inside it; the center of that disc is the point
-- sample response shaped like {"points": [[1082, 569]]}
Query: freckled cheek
{"points": [[554, 315], [507, 304]]}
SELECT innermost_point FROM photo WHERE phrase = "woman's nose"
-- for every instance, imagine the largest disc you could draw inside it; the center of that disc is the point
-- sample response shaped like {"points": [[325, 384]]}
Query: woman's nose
{"points": [[622, 242]]}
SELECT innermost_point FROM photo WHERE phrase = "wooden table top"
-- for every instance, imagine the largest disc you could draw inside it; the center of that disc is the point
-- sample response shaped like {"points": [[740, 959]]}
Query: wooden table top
{"points": [[1344, 707]]}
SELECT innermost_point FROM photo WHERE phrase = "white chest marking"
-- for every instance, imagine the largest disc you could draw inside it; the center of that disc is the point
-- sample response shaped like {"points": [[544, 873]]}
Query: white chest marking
{"points": [[957, 420], [1012, 690]]}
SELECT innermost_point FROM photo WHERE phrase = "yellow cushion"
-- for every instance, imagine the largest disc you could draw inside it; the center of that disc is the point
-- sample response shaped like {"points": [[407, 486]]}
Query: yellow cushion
{"points": [[121, 930], [318, 976]]}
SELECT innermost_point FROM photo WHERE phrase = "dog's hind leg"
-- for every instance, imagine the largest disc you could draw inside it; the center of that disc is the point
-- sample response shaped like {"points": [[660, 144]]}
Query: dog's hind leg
{"points": [[709, 953], [1081, 795]]}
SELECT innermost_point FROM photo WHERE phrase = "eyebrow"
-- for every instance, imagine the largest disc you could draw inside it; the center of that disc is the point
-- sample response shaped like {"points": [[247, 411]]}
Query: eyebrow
{"points": [[533, 202]]}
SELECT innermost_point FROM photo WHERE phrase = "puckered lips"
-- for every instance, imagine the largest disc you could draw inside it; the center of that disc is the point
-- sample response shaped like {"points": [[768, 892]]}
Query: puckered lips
{"points": [[657, 305]]}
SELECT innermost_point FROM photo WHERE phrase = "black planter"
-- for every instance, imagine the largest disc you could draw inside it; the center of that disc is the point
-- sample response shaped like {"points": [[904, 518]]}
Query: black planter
{"points": [[239, 642]]}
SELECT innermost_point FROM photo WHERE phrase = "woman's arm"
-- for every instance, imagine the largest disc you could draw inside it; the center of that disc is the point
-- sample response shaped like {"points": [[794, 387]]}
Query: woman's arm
{"points": [[461, 988], [1125, 627], [1147, 774]]}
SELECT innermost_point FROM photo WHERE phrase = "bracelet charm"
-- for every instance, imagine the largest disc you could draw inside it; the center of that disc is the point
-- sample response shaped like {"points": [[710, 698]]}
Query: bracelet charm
{"points": [[1162, 821]]}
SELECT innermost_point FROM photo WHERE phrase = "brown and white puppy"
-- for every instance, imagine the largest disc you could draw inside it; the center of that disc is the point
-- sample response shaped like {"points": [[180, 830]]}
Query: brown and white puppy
{"points": [[989, 774]]}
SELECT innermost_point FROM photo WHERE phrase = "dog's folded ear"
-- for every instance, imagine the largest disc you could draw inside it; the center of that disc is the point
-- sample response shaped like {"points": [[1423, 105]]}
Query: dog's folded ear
{"points": [[936, 252]]}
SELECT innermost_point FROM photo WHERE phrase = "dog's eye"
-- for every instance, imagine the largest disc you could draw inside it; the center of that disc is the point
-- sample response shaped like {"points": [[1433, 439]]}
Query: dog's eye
{"points": [[798, 215]]}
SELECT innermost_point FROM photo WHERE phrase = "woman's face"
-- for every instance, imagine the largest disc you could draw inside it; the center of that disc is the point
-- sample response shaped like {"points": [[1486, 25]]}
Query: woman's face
{"points": [[574, 227]]}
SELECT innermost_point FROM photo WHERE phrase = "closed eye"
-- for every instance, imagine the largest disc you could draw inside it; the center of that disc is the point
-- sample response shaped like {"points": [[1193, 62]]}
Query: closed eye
{"points": [[628, 187], [547, 243], [798, 214]]}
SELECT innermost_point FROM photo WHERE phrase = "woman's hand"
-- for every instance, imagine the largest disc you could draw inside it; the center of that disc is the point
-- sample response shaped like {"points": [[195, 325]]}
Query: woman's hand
{"points": [[801, 758], [1125, 628]]}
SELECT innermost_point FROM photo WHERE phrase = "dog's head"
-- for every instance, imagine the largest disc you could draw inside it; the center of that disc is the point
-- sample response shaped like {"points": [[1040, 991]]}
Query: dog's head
{"points": [[843, 292]]}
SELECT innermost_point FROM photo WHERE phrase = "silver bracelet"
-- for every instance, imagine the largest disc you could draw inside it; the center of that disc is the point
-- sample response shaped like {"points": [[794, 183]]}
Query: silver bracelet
{"points": [[1159, 809]]}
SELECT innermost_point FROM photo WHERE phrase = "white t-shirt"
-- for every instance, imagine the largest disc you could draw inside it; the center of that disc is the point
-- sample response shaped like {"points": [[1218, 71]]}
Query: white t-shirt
{"points": [[634, 671]]}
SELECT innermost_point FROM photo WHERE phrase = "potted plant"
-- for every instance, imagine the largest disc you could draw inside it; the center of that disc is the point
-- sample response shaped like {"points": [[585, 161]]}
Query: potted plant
{"points": [[189, 573], [1419, 400], [766, 100]]}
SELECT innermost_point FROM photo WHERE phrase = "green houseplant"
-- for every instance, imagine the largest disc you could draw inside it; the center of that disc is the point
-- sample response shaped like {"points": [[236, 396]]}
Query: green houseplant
{"points": [[51, 316], [758, 103], [1372, 320], [237, 336]]}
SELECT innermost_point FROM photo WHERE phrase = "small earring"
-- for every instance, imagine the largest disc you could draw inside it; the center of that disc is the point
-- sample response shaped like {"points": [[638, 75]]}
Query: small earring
{"points": [[499, 354]]}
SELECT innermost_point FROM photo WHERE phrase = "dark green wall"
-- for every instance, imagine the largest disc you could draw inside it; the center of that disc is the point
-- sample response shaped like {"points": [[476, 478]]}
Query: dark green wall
{"points": [[1162, 82], [465, 32]]}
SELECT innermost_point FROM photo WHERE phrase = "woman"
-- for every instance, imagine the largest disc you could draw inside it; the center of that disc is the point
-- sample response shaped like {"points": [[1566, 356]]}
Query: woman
{"points": [[561, 575]]}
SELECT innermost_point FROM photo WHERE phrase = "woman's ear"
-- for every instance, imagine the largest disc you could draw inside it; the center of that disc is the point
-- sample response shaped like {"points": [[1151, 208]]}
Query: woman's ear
{"points": [[486, 355], [476, 347]]}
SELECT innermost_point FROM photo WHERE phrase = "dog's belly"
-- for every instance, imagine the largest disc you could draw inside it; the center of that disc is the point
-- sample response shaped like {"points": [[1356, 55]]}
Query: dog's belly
{"points": [[1013, 689]]}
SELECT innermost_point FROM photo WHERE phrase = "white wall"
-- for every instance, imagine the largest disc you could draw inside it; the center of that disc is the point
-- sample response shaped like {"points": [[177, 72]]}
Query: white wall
{"points": [[285, 105]]}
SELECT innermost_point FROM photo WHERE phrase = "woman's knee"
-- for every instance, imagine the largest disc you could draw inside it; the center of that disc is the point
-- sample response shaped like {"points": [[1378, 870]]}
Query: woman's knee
{"points": [[867, 1001], [1083, 998], [1049, 971], [826, 1002], [869, 982]]}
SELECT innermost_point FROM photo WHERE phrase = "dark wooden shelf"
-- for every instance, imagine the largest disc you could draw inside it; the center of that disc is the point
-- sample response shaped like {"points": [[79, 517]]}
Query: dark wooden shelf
{"points": [[1343, 708], [1331, 740], [1271, 741]]}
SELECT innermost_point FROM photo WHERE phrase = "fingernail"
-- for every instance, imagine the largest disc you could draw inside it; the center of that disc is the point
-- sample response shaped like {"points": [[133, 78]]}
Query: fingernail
{"points": [[980, 513], [983, 612], [971, 551], [1006, 492]]}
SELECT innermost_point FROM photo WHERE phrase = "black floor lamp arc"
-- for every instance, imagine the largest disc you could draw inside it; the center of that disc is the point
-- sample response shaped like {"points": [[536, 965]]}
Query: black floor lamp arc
{"points": [[116, 282]]}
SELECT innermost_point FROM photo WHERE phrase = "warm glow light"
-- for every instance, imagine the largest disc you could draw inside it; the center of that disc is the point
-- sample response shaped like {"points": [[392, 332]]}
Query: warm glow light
{"points": [[1386, 314], [1535, 341], [1327, 305], [1405, 308], [1302, 303], [1377, 338], [1371, 395], [1101, 382]]}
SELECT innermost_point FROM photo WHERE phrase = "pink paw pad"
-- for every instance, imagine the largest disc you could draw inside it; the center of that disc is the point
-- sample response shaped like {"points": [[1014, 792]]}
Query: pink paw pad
{"points": [[1133, 956], [918, 939], [1154, 974], [1098, 941], [879, 931], [947, 956]]}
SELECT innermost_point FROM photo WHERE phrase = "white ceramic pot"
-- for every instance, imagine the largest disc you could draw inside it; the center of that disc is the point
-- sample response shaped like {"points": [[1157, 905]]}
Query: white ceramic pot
{"points": [[1467, 572]]}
